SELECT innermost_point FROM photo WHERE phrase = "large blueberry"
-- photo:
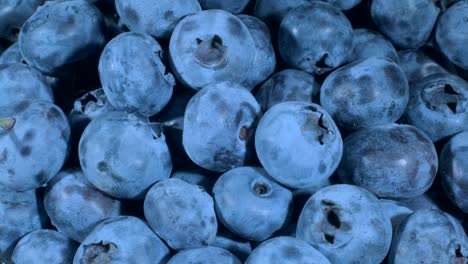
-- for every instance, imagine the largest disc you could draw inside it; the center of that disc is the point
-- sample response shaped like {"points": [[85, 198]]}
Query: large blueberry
{"points": [[233, 6], [286, 250], [346, 224], [321, 50], [417, 65], [61, 33], [204, 255], [123, 239], [238, 195], [288, 85], [219, 125], [438, 105], [368, 43], [44, 247], [407, 23], [365, 93], [391, 160], [298, 144], [156, 18], [203, 52], [13, 13], [36, 147], [182, 214]]}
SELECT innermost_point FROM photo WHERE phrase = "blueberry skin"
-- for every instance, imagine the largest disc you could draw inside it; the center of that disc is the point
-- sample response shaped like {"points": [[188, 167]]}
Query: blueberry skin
{"points": [[407, 23], [35, 149], [452, 34], [156, 18], [22, 82], [132, 74], [417, 65], [232, 6], [319, 52], [204, 255], [397, 161], [288, 85], [13, 13], [265, 59], [21, 213], [453, 169], [219, 124], [286, 250], [433, 237], [368, 43], [238, 194], [202, 52], [60, 34], [438, 105], [74, 206], [123, 154], [196, 177], [122, 240], [365, 93], [298, 144], [44, 247], [12, 55], [182, 214], [395, 211], [273, 11], [240, 247], [343, 4], [346, 224]]}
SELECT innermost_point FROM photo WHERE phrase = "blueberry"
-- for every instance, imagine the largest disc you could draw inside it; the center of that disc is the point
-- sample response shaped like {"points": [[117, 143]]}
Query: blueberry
{"points": [[407, 23], [204, 255], [13, 13], [452, 33], [392, 160], [419, 202], [273, 11], [454, 169], [346, 224], [22, 82], [288, 85], [60, 34], [343, 4], [395, 211], [438, 105], [238, 195], [233, 6], [123, 239], [182, 214], [368, 43], [365, 93], [286, 250], [203, 52], [219, 125], [12, 55], [433, 237], [35, 148], [417, 65], [74, 206], [240, 247], [123, 154], [44, 247], [196, 177], [298, 144], [319, 52], [265, 58], [156, 18]]}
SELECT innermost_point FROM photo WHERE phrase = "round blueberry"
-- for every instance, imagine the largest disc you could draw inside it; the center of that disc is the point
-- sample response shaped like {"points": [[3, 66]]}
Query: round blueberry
{"points": [[368, 43]]}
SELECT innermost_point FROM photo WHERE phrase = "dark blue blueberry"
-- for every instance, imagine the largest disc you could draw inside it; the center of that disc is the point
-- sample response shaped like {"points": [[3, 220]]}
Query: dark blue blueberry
{"points": [[407, 23], [238, 195], [132, 75], [74, 206], [346, 224], [365, 93], [286, 250], [61, 33], [44, 247], [273, 11], [182, 214], [13, 13], [438, 105], [123, 154], [156, 18], [233, 6], [123, 239], [298, 144], [203, 52], [429, 236], [288, 85], [325, 48], [219, 125], [418, 65], [397, 161], [12, 55], [452, 33], [204, 255], [368, 43]]}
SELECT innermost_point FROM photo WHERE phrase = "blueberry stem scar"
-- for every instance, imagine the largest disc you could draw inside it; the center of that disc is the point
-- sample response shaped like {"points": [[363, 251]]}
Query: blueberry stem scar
{"points": [[7, 123]]}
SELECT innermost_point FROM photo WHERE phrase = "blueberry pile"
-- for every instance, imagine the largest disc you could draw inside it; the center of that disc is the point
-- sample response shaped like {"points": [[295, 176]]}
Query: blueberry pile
{"points": [[234, 131]]}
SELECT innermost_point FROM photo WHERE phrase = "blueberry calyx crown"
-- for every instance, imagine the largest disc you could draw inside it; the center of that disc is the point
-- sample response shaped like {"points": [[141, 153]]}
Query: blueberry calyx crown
{"points": [[211, 53]]}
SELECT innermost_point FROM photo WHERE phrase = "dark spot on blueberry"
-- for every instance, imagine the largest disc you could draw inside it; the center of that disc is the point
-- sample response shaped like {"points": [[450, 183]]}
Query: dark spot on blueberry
{"points": [[41, 177], [291, 252], [4, 156], [239, 117], [394, 75], [203, 224], [322, 167], [188, 25], [25, 151], [235, 26], [53, 113], [131, 15], [11, 172], [433, 170], [29, 135], [169, 15], [398, 136], [21, 106], [102, 166]]}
